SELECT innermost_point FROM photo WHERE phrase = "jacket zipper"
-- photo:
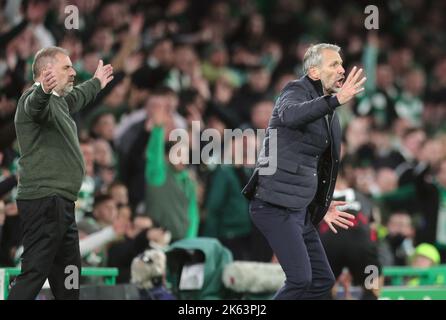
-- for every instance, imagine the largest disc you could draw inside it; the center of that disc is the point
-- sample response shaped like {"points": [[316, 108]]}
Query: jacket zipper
{"points": [[331, 154]]}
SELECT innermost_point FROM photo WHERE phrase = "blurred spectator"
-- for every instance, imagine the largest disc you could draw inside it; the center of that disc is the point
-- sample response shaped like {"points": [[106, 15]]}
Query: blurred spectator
{"points": [[133, 148], [252, 92], [222, 63], [356, 248], [104, 165], [103, 126], [409, 105], [216, 64], [357, 135], [425, 256], [118, 191], [398, 244], [260, 114], [85, 200], [171, 192], [135, 240], [227, 215]]}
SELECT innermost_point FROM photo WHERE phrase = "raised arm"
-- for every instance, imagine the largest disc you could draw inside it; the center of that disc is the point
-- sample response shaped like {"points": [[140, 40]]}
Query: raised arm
{"points": [[36, 104], [86, 92], [155, 170], [296, 110], [156, 165]]}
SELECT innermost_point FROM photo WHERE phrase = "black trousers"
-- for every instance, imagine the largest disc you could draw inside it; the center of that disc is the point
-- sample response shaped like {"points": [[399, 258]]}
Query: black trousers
{"points": [[298, 248], [51, 244]]}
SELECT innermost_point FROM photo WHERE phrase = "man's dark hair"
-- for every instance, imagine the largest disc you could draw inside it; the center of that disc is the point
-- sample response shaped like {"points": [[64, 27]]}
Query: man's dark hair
{"points": [[101, 198]]}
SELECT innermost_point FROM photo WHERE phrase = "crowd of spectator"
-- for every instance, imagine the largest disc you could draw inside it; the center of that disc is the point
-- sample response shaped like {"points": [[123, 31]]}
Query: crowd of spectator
{"points": [[222, 64]]}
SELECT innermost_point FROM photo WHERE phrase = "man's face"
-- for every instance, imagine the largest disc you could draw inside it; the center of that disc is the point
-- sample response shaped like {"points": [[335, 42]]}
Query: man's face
{"points": [[330, 72], [422, 262], [105, 127], [400, 223], [63, 68], [157, 102], [259, 80], [106, 212], [88, 154], [261, 114], [120, 195]]}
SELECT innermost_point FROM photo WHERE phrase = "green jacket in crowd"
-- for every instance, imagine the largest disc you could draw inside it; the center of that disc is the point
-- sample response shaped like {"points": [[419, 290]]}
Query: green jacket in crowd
{"points": [[227, 210], [171, 198]]}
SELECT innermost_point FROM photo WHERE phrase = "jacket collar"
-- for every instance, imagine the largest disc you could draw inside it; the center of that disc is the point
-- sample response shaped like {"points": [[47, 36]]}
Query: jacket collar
{"points": [[314, 86], [52, 92], [315, 89]]}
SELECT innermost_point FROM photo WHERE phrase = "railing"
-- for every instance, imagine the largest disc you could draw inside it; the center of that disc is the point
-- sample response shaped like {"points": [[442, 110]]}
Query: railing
{"points": [[427, 276], [413, 293], [109, 275], [430, 283]]}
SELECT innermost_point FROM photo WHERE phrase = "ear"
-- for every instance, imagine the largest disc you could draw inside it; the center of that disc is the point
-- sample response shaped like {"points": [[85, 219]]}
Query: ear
{"points": [[314, 73]]}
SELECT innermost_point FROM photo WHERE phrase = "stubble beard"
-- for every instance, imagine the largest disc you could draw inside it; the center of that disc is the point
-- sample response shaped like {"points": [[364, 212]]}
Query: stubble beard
{"points": [[67, 89]]}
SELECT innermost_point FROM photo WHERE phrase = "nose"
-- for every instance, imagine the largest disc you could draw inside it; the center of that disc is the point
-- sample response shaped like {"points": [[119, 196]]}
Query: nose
{"points": [[73, 72], [341, 70]]}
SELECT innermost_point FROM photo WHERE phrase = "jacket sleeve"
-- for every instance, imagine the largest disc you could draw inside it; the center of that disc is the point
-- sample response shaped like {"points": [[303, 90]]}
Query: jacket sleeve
{"points": [[215, 200], [155, 170], [83, 94], [96, 240], [193, 214], [36, 104], [295, 110]]}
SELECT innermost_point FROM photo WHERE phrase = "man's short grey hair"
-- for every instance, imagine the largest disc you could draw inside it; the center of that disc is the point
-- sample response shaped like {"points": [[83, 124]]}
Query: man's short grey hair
{"points": [[313, 56], [45, 56]]}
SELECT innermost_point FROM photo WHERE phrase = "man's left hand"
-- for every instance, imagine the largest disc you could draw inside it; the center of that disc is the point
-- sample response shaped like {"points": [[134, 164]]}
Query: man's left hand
{"points": [[104, 73], [339, 218]]}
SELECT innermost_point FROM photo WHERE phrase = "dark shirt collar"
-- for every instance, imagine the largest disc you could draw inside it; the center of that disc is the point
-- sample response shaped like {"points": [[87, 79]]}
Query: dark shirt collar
{"points": [[317, 84]]}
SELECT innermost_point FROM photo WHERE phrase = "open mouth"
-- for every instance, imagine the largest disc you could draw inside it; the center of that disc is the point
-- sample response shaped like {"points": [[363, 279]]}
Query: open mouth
{"points": [[339, 83]]}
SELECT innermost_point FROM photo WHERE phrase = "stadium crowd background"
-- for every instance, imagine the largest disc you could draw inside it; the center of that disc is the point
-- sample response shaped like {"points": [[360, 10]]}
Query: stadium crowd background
{"points": [[223, 63]]}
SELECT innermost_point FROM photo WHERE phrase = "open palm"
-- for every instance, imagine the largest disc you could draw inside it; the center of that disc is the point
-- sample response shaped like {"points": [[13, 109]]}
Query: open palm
{"points": [[338, 218], [104, 73]]}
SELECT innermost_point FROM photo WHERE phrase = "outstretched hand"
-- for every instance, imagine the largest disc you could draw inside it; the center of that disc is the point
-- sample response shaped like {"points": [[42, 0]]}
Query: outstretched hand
{"points": [[339, 218], [352, 86], [104, 73]]}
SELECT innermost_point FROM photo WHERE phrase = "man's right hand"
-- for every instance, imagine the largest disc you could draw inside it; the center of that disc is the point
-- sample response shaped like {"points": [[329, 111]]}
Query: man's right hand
{"points": [[351, 87], [49, 81]]}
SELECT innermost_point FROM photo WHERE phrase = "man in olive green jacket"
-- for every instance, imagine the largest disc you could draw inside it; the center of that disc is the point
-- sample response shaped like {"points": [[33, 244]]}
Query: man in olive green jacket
{"points": [[51, 169]]}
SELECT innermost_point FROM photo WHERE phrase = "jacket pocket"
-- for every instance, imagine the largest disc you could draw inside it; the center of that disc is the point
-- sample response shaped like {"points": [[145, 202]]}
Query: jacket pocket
{"points": [[288, 165]]}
